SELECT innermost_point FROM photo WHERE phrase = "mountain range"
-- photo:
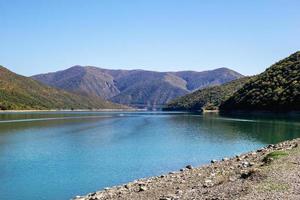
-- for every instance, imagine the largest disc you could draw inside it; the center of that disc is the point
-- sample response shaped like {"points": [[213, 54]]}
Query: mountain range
{"points": [[22, 93], [138, 88], [276, 89]]}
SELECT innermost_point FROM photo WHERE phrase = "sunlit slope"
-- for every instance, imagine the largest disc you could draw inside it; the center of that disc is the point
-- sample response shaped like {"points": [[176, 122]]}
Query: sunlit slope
{"points": [[207, 98], [19, 92], [276, 89], [134, 87]]}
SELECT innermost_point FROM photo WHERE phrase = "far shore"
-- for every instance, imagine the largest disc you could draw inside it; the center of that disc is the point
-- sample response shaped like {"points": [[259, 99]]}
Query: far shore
{"points": [[75, 110], [210, 111]]}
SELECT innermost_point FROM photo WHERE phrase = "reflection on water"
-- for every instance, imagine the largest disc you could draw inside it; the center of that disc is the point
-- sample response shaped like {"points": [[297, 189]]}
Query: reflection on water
{"points": [[59, 155], [265, 128]]}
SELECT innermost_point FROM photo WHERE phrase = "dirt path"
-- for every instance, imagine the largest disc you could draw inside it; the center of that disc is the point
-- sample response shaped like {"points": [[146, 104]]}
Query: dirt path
{"points": [[269, 173]]}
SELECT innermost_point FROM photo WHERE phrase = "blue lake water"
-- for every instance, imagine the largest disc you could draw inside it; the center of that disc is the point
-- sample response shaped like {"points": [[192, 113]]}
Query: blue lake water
{"points": [[59, 155]]}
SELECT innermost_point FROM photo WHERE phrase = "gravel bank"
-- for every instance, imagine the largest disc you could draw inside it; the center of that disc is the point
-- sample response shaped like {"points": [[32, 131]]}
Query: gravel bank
{"points": [[272, 172]]}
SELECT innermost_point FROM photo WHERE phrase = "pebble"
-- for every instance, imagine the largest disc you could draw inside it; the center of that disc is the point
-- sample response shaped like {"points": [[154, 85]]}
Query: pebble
{"points": [[270, 146], [231, 179], [246, 164], [189, 167], [92, 194], [169, 197], [208, 183], [178, 192], [213, 161], [141, 183], [225, 159], [165, 198], [143, 188], [245, 174], [296, 145]]}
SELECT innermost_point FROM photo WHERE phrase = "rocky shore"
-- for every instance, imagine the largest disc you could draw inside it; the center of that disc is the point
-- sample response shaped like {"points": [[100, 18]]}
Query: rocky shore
{"points": [[272, 172]]}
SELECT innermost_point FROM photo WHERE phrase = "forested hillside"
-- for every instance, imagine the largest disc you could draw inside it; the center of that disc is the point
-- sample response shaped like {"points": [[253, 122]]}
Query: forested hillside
{"points": [[19, 93], [207, 98], [276, 89]]}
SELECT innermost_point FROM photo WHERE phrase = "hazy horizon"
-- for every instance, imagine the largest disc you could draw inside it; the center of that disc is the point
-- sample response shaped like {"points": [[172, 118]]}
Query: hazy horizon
{"points": [[42, 36]]}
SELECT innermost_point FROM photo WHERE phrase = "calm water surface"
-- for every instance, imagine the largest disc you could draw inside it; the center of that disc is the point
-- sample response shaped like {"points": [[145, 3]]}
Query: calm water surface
{"points": [[49, 156]]}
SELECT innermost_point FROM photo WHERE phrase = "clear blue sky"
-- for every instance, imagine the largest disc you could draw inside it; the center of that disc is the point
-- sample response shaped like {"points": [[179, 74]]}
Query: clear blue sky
{"points": [[38, 36]]}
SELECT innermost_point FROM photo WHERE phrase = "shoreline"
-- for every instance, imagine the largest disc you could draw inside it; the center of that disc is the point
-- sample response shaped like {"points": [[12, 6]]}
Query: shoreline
{"points": [[270, 171], [75, 110]]}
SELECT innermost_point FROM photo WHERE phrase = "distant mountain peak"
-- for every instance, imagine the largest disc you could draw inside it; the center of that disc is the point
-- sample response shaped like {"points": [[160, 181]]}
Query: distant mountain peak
{"points": [[138, 87]]}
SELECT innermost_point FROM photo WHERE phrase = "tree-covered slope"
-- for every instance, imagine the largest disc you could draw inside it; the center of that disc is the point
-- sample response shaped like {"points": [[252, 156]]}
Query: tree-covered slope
{"points": [[19, 92], [276, 89], [207, 98]]}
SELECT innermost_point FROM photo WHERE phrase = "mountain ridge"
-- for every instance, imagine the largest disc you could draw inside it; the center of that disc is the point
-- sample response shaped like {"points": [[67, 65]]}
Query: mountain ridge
{"points": [[130, 87], [276, 89], [22, 93], [208, 98]]}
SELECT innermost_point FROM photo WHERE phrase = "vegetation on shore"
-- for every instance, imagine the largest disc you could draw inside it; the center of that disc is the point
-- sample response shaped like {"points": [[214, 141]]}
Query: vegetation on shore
{"points": [[276, 89], [208, 98], [22, 93]]}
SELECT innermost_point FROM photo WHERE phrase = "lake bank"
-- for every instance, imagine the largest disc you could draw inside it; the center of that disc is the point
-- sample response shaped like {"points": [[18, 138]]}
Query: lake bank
{"points": [[267, 173], [76, 110]]}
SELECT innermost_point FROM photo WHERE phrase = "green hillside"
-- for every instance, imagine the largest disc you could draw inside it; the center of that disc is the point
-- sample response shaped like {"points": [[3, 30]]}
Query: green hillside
{"points": [[276, 89], [207, 98], [20, 93]]}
